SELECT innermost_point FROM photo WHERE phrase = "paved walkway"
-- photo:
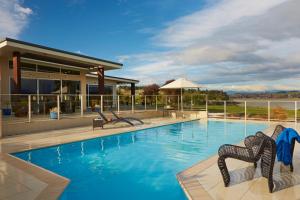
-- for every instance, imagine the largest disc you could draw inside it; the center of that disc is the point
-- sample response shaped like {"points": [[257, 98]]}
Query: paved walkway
{"points": [[204, 181]]}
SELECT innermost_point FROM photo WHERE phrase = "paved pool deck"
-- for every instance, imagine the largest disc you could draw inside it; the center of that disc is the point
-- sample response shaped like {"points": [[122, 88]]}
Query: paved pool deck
{"points": [[20, 180], [203, 181]]}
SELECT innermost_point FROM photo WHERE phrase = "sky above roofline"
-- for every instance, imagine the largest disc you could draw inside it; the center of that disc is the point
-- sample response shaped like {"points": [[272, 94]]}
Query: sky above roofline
{"points": [[222, 44]]}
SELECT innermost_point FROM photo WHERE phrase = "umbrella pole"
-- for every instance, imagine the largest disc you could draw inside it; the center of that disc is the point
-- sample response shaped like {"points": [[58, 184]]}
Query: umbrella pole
{"points": [[181, 101]]}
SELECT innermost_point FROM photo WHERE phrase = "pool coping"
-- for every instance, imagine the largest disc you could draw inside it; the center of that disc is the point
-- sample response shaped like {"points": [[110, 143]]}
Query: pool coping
{"points": [[189, 183]]}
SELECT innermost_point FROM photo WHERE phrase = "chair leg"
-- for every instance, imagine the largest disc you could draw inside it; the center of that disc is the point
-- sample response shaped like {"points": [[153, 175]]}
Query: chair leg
{"points": [[224, 171], [291, 167], [255, 165], [271, 185]]}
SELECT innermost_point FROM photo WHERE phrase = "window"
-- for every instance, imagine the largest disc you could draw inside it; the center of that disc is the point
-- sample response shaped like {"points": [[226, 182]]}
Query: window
{"points": [[70, 71], [49, 86], [48, 69], [70, 87], [28, 67], [28, 86]]}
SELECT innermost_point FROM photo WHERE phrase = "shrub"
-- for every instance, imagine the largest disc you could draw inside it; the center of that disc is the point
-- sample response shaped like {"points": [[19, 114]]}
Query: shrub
{"points": [[279, 113]]}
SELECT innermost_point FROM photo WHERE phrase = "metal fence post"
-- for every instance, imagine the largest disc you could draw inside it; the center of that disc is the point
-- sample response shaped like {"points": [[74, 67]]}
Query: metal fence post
{"points": [[101, 103], [296, 111], [181, 103], [245, 110], [145, 102], [225, 115], [269, 111], [132, 103], [29, 108], [81, 105], [118, 103], [156, 103], [58, 107]]}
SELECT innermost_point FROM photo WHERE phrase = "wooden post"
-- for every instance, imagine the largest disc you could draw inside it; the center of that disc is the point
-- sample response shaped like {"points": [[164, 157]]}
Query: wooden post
{"points": [[132, 103], [16, 72], [100, 74]]}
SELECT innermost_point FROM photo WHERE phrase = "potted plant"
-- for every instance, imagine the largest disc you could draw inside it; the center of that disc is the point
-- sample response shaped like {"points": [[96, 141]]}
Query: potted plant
{"points": [[54, 113], [97, 108], [7, 109]]}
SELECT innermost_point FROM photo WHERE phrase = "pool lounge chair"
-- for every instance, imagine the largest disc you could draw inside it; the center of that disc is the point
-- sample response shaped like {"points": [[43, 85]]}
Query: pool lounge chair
{"points": [[131, 119], [257, 147], [113, 121]]}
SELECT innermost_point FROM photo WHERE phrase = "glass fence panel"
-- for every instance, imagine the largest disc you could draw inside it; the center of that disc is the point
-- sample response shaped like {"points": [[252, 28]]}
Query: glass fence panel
{"points": [[14, 108], [257, 110], [93, 103], [70, 105], [125, 103], [160, 102], [198, 102], [139, 103], [42, 106], [282, 110], [110, 103], [235, 109], [172, 102], [215, 109], [187, 102], [150, 102]]}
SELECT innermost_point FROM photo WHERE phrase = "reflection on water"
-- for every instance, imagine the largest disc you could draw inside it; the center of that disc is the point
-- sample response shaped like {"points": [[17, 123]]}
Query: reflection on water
{"points": [[141, 164]]}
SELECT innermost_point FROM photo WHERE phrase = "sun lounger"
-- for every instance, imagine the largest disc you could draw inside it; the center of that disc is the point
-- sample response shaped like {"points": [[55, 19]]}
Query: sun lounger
{"points": [[131, 119], [113, 121]]}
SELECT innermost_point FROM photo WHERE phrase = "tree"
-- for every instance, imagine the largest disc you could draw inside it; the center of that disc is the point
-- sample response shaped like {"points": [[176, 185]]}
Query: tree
{"points": [[152, 89]]}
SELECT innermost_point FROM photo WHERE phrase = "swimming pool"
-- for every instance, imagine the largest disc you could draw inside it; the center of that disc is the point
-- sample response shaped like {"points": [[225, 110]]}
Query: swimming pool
{"points": [[137, 165]]}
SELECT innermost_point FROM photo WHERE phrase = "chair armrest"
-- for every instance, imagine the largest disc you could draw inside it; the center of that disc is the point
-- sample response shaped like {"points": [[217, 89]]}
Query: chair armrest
{"points": [[249, 141]]}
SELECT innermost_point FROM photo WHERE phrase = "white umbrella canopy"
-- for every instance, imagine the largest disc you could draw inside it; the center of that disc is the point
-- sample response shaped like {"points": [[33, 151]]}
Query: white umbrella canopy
{"points": [[180, 83]]}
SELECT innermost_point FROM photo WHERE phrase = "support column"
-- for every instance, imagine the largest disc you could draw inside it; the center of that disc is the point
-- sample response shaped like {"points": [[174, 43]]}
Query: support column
{"points": [[132, 88], [83, 89], [17, 72], [100, 80]]}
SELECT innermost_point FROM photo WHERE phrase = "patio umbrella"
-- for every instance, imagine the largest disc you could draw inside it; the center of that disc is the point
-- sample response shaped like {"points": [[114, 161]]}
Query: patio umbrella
{"points": [[181, 84]]}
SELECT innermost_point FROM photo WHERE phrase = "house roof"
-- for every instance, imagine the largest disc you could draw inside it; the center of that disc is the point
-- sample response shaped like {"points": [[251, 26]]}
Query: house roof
{"points": [[40, 52]]}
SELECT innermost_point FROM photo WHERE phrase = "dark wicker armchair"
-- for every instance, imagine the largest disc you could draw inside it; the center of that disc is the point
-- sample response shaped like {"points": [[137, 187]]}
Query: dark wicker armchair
{"points": [[256, 147], [277, 131]]}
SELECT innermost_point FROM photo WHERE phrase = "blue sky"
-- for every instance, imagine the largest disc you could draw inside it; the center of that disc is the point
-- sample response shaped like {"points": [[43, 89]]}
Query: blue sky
{"points": [[223, 44]]}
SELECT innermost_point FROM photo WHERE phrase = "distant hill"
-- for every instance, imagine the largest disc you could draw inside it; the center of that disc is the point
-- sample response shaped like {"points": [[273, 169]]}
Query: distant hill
{"points": [[274, 94]]}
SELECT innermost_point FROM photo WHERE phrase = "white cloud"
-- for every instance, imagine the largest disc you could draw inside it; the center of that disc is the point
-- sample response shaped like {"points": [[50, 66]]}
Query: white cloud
{"points": [[234, 42], [13, 18]]}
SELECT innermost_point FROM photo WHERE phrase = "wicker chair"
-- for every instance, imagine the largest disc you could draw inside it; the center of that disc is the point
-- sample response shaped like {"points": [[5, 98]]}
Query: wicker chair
{"points": [[277, 131], [256, 147]]}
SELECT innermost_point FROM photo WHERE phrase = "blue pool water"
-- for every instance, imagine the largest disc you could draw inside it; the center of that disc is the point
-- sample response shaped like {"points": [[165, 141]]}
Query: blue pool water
{"points": [[137, 165]]}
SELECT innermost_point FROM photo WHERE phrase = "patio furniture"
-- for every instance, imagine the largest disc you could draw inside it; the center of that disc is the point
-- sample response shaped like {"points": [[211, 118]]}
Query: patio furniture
{"points": [[113, 121], [276, 133], [256, 147], [97, 123], [126, 118]]}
